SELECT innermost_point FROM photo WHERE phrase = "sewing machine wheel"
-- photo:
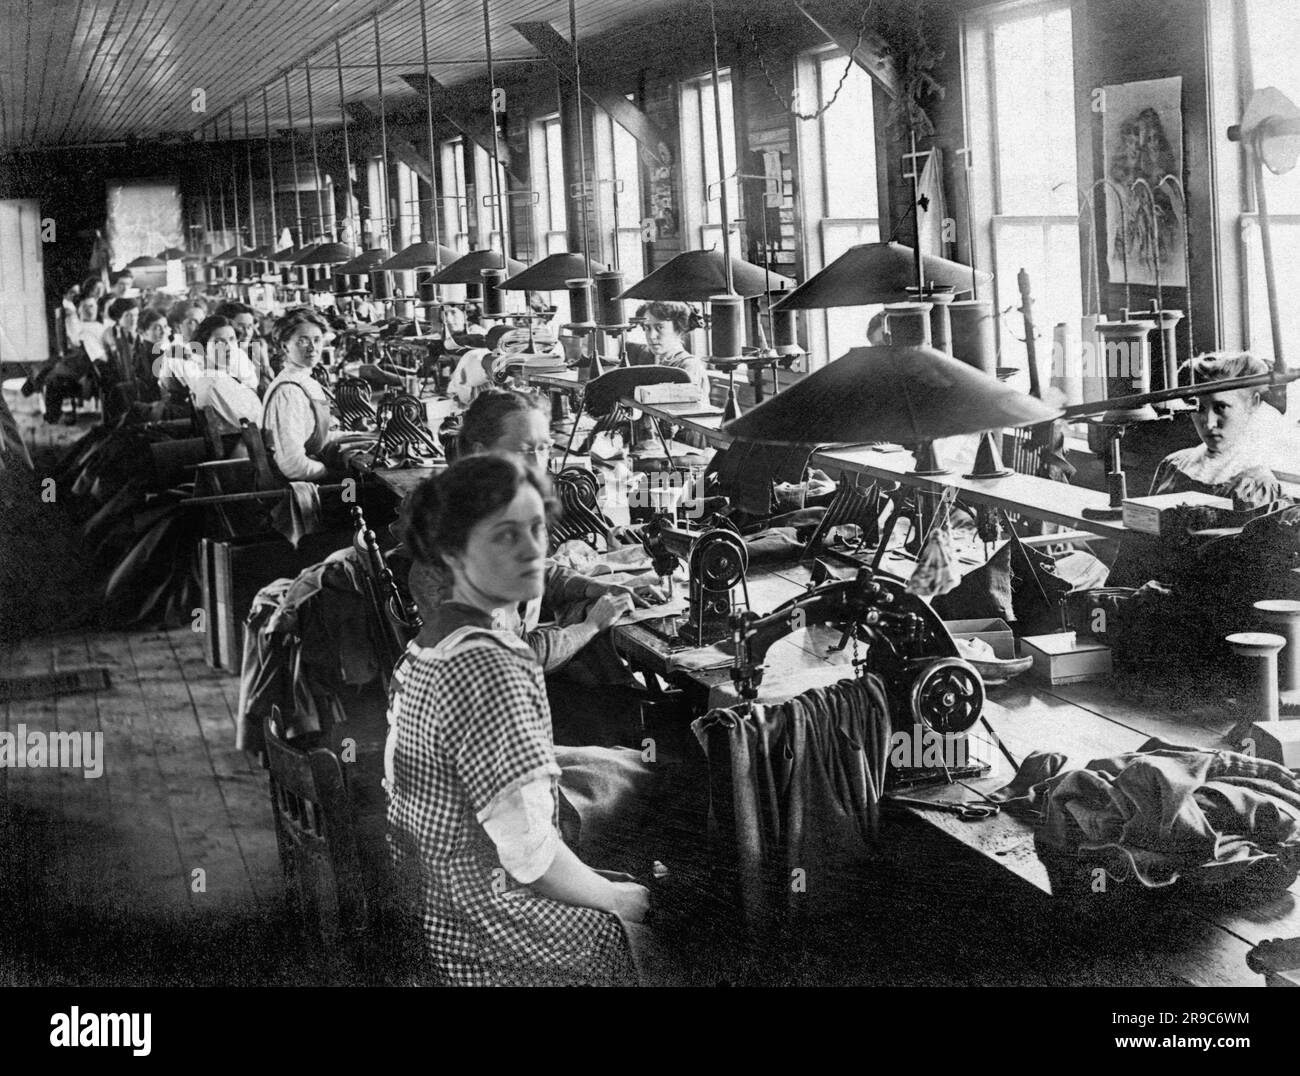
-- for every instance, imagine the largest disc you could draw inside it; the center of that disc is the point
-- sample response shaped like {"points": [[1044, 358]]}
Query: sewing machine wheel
{"points": [[721, 562], [947, 695]]}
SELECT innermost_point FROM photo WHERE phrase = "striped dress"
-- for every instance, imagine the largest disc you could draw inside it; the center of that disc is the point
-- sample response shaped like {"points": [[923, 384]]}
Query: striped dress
{"points": [[468, 720]]}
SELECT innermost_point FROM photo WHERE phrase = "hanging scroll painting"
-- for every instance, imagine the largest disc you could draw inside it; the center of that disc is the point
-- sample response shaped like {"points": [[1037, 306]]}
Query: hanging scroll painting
{"points": [[1142, 146]]}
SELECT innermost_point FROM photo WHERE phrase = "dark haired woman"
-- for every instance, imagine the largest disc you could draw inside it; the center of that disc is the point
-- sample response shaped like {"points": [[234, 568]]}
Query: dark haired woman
{"points": [[470, 764], [216, 375], [295, 411], [514, 424], [666, 325]]}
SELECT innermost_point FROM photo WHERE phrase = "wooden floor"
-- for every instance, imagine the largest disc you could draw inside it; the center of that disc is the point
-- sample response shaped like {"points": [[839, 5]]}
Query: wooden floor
{"points": [[163, 869]]}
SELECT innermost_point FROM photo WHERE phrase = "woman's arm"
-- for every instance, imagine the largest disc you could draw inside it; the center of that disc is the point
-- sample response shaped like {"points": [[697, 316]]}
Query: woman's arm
{"points": [[571, 881]]}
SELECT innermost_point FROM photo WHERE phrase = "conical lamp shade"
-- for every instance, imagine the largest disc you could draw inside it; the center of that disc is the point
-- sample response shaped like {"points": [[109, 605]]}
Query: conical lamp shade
{"points": [[468, 269], [146, 261], [172, 254], [552, 273], [696, 275], [899, 394], [289, 255], [420, 256], [237, 251], [875, 273], [365, 261], [262, 253], [326, 254]]}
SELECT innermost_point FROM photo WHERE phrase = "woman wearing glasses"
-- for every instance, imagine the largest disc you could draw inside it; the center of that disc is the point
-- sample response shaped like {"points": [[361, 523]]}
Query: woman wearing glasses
{"points": [[514, 424]]}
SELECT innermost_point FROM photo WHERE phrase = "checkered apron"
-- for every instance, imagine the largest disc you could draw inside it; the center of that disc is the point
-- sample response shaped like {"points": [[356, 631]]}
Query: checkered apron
{"points": [[469, 720]]}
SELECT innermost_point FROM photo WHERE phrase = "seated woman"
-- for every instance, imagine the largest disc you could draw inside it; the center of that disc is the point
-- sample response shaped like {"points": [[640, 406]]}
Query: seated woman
{"points": [[665, 324], [216, 374], [1229, 462], [470, 764], [300, 431], [514, 424]]}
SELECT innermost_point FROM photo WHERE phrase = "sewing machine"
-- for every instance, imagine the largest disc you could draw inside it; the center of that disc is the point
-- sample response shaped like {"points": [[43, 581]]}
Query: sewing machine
{"points": [[932, 692], [716, 560]]}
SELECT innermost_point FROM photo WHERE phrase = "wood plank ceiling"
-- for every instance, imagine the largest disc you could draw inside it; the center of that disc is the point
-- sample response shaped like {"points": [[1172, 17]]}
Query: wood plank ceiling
{"points": [[76, 72]]}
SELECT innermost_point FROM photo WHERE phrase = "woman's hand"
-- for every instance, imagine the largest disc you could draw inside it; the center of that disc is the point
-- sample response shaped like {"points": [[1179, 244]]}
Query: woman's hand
{"points": [[609, 608], [631, 901]]}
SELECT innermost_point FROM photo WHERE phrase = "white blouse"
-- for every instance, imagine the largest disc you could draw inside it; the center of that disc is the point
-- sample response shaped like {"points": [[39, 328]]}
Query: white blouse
{"points": [[289, 422]]}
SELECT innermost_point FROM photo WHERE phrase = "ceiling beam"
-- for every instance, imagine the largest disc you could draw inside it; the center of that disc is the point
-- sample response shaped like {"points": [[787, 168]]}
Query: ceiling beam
{"points": [[466, 120], [399, 147], [557, 49], [872, 55]]}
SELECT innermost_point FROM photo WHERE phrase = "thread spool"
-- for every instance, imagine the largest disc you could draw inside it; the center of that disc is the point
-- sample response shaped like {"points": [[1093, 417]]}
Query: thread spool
{"points": [[1283, 617], [494, 299], [973, 342], [1126, 356], [940, 323], [426, 288], [785, 332], [580, 296], [909, 324], [1067, 370], [474, 292], [1168, 320], [724, 329], [609, 285], [381, 285], [1263, 648], [1094, 377]]}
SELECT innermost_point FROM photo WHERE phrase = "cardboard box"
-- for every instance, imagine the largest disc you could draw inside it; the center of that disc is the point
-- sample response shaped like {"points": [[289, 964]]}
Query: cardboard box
{"points": [[994, 631], [1149, 514], [1067, 657], [668, 392]]}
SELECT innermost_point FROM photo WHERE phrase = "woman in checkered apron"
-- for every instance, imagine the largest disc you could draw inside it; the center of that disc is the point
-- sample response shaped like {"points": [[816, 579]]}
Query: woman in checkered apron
{"points": [[470, 766]]}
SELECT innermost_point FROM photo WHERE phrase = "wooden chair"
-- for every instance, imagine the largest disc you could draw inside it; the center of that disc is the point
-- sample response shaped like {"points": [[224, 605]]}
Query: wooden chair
{"points": [[317, 841]]}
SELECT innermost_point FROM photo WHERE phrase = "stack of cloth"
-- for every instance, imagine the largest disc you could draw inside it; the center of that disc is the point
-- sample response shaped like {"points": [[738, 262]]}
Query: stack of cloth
{"points": [[1165, 813]]}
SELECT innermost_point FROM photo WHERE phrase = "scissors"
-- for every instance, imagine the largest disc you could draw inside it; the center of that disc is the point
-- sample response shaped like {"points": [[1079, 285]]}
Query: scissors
{"points": [[973, 811]]}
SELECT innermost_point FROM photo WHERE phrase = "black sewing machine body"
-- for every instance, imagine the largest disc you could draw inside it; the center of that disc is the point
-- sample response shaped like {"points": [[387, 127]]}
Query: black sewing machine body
{"points": [[931, 690], [716, 561]]}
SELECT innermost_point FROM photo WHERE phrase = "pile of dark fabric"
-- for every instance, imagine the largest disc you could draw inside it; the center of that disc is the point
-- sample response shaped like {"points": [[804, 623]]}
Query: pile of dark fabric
{"points": [[1161, 815], [794, 794]]}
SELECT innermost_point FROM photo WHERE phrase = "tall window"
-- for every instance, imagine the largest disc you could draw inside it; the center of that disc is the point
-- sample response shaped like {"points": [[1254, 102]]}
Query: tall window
{"points": [[377, 228], [702, 208], [489, 220], [837, 157], [1272, 38], [619, 170], [1025, 201], [408, 207], [550, 219], [454, 196]]}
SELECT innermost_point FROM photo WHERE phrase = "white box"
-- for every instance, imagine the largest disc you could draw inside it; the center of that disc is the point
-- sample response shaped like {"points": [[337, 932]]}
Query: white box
{"points": [[1146, 514], [1067, 658], [666, 392], [994, 630]]}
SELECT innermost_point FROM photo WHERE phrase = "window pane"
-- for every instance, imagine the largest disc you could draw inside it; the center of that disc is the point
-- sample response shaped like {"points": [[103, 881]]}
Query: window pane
{"points": [[1033, 72], [848, 136], [846, 327]]}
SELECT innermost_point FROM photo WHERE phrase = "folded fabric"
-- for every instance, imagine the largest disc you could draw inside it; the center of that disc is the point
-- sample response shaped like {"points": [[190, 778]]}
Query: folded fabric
{"points": [[298, 514], [1163, 812]]}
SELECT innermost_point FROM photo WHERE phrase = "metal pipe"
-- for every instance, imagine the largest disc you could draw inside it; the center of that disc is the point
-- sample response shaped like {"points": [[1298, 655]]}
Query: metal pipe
{"points": [[498, 197], [293, 146], [315, 156], [234, 180], [428, 115], [383, 144], [1272, 379], [347, 152], [270, 169], [248, 160], [722, 156]]}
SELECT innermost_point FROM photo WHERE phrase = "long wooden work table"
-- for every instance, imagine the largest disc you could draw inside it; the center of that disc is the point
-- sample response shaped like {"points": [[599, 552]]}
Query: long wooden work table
{"points": [[1198, 943]]}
